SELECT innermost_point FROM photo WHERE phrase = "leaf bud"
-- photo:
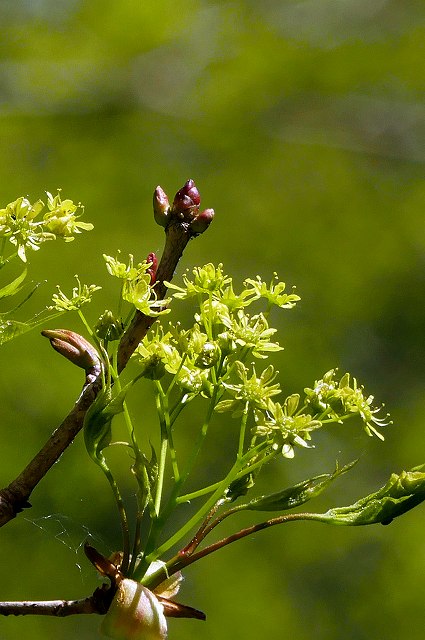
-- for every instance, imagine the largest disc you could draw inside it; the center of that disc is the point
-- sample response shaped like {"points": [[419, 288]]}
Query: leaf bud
{"points": [[240, 487], [74, 347], [189, 190], [161, 207], [202, 221]]}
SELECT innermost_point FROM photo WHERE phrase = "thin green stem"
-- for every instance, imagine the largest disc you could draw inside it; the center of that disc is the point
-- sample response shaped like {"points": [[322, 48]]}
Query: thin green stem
{"points": [[200, 514], [3, 246], [87, 326], [201, 437], [122, 512], [188, 497], [161, 471], [242, 431], [5, 261]]}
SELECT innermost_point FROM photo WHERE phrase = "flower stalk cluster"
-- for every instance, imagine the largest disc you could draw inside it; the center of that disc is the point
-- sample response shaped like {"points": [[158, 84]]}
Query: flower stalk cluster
{"points": [[219, 360]]}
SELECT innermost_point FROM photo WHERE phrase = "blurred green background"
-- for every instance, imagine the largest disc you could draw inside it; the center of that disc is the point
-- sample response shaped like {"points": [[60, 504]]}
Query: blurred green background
{"points": [[303, 125]]}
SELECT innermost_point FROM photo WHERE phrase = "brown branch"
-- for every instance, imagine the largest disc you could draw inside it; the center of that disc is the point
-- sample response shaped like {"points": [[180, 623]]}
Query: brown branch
{"points": [[96, 603], [181, 561], [177, 236], [14, 497], [182, 222]]}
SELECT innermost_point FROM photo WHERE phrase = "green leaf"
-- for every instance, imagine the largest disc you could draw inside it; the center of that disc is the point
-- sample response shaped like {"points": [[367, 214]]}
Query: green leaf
{"points": [[10, 329], [298, 494], [146, 473], [240, 487], [13, 287], [97, 425], [400, 494], [98, 419]]}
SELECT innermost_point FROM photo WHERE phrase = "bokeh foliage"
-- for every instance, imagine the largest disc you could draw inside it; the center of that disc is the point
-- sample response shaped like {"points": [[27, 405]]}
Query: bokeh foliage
{"points": [[303, 126]]}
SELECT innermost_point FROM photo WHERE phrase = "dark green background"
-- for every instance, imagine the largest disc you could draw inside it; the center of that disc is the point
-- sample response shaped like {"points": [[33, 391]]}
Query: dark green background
{"points": [[303, 125]]}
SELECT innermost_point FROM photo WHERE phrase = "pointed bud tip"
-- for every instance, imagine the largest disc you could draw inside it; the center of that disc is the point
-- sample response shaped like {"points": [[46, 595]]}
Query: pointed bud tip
{"points": [[73, 347], [187, 199], [161, 206]]}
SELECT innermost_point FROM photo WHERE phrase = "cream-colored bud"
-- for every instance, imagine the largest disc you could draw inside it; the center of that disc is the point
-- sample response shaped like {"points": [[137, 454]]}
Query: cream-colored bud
{"points": [[135, 614]]}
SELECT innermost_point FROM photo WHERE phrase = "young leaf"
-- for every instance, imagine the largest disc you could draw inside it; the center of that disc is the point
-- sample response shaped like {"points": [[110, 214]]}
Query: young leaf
{"points": [[298, 494], [97, 425], [13, 287], [10, 329], [400, 494], [97, 422]]}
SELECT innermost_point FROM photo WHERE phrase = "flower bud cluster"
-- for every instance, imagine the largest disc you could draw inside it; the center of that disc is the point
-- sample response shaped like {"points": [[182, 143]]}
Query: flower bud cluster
{"points": [[185, 208]]}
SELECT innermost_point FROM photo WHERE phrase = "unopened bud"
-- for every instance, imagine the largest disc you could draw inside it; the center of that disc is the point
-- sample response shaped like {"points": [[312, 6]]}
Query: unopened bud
{"points": [[135, 614], [108, 327], [209, 356], [226, 343], [154, 266], [74, 347], [161, 206], [186, 201], [192, 192], [202, 221]]}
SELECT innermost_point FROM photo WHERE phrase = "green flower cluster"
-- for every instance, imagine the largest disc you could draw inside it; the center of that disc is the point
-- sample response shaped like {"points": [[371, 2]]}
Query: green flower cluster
{"points": [[137, 287], [335, 401], [81, 295], [211, 359], [222, 337], [21, 224]]}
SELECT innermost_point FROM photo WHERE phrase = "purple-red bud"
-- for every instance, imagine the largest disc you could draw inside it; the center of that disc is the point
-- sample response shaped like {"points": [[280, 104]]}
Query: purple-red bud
{"points": [[154, 266], [187, 199], [74, 347], [202, 221], [161, 206], [192, 192]]}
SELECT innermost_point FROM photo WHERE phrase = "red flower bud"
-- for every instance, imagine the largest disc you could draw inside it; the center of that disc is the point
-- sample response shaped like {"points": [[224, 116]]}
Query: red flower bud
{"points": [[154, 266], [202, 221], [192, 192], [186, 201]]}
